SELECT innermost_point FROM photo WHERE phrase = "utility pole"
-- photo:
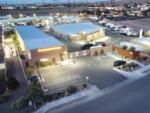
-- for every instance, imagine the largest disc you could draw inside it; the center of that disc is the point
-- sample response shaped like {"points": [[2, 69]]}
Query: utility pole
{"points": [[112, 2], [86, 4], [69, 6]]}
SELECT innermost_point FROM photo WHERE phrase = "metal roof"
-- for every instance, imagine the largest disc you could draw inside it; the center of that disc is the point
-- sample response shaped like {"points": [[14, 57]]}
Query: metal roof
{"points": [[35, 38], [26, 19], [76, 28]]}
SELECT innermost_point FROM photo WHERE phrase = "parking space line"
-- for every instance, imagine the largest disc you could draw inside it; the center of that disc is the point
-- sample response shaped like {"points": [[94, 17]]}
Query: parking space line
{"points": [[64, 79]]}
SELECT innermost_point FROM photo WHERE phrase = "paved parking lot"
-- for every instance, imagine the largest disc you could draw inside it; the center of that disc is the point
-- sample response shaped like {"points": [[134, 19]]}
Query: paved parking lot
{"points": [[137, 24], [60, 77], [98, 69], [116, 37]]}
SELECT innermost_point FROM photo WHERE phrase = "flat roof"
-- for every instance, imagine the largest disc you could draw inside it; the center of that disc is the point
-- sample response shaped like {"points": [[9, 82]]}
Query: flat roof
{"points": [[76, 28], [26, 19], [34, 38], [5, 17]]}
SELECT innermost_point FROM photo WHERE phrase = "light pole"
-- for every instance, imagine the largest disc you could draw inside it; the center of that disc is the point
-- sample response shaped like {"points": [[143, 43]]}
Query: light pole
{"points": [[87, 79], [69, 6]]}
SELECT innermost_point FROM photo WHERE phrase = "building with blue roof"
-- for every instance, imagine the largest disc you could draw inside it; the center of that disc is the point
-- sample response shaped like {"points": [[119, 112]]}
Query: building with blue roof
{"points": [[78, 31], [38, 46], [35, 38]]}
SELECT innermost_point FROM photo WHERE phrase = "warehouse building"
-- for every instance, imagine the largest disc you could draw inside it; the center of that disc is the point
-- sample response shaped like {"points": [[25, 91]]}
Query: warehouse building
{"points": [[78, 31], [38, 46]]}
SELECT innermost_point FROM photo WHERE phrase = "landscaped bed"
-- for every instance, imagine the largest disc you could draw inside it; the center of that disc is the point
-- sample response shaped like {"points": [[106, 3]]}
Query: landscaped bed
{"points": [[70, 90], [143, 60], [129, 67]]}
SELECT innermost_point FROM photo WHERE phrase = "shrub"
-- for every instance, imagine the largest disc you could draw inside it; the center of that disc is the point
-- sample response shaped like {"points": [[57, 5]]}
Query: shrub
{"points": [[43, 64], [8, 33], [16, 42], [138, 58], [124, 47], [129, 66], [35, 91], [20, 103], [12, 83], [132, 49], [132, 65], [3, 98], [72, 89], [29, 71], [144, 58]]}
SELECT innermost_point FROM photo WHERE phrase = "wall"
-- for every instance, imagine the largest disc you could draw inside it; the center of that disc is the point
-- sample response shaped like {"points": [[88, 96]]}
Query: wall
{"points": [[91, 52], [81, 36], [53, 56], [125, 53]]}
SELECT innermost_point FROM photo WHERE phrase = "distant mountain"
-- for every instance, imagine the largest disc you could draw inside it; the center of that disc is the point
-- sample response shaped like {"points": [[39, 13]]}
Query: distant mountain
{"points": [[63, 1], [134, 1], [45, 1]]}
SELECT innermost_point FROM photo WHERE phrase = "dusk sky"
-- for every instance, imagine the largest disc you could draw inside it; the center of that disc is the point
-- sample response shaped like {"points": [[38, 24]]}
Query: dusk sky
{"points": [[42, 1]]}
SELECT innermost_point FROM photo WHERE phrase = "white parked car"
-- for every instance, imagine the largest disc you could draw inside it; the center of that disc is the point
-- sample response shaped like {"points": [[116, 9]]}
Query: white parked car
{"points": [[112, 26], [117, 27], [130, 32], [107, 24], [122, 31], [102, 22]]}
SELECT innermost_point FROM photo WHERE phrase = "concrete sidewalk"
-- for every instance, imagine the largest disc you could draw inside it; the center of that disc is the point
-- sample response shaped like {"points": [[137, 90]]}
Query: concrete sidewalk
{"points": [[83, 96], [129, 75]]}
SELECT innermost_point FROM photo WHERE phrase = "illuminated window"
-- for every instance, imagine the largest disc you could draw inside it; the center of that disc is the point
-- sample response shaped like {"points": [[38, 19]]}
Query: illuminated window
{"points": [[49, 49]]}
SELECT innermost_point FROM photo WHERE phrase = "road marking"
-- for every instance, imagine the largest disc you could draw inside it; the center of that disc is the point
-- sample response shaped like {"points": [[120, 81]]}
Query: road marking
{"points": [[64, 79]]}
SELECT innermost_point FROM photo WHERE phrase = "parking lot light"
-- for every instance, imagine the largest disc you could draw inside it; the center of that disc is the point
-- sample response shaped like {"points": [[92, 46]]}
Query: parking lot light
{"points": [[20, 15], [34, 15], [87, 79]]}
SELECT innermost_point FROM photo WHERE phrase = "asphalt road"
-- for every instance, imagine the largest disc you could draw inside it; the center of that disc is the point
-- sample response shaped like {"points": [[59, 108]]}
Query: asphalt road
{"points": [[133, 98]]}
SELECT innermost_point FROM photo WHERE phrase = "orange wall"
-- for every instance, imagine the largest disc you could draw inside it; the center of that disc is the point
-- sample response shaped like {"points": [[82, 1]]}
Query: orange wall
{"points": [[125, 53]]}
